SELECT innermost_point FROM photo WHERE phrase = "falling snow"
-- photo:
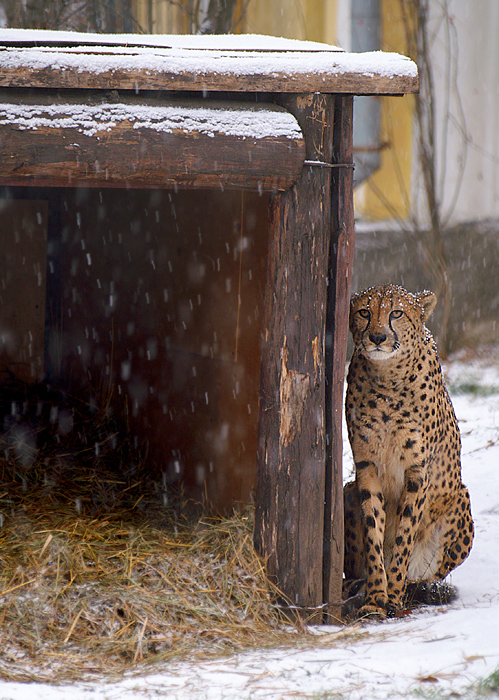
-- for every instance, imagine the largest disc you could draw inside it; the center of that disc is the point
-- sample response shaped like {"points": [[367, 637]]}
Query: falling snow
{"points": [[442, 650]]}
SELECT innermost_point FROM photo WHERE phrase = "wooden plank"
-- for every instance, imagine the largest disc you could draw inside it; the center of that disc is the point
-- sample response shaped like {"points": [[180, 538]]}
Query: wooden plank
{"points": [[340, 276], [291, 461], [243, 71], [149, 144]]}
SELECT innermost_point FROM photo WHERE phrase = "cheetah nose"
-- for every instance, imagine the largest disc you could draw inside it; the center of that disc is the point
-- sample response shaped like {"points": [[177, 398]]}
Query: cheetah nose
{"points": [[377, 338]]}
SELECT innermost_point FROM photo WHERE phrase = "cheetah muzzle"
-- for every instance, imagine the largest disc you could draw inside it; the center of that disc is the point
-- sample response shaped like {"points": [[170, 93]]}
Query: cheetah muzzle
{"points": [[407, 514]]}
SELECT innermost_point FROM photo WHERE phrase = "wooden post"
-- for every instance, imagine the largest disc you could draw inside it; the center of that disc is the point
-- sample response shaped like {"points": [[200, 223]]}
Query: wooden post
{"points": [[299, 501], [340, 275], [291, 476]]}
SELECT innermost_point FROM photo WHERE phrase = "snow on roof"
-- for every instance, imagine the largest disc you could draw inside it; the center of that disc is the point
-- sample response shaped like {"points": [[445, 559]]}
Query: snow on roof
{"points": [[312, 66], [217, 42], [256, 122]]}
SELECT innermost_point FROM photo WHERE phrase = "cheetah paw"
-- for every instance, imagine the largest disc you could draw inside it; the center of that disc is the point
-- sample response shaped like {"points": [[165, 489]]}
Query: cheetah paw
{"points": [[371, 613]]}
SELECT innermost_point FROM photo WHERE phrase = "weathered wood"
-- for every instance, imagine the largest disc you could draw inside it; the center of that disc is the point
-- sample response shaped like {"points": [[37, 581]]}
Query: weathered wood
{"points": [[148, 144], [340, 275], [291, 461], [121, 68]]}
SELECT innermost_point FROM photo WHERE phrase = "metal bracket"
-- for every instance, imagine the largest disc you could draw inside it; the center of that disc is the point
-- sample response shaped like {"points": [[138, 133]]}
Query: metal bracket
{"points": [[321, 164]]}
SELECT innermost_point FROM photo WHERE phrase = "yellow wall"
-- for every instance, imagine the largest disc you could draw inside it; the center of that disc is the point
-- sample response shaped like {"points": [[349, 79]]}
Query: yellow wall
{"points": [[310, 20], [387, 194]]}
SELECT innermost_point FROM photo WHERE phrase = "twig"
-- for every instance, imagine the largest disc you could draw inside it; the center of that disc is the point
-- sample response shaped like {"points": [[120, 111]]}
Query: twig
{"points": [[73, 625]]}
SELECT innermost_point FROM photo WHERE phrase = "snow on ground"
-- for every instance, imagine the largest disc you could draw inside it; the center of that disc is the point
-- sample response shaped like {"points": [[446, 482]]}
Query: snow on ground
{"points": [[434, 653]]}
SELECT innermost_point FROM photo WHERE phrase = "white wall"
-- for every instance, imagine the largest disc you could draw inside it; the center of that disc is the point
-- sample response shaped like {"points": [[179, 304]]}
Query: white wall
{"points": [[465, 54]]}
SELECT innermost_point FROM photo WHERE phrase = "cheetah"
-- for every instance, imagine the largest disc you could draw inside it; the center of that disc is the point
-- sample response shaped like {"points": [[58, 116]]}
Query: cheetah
{"points": [[407, 513]]}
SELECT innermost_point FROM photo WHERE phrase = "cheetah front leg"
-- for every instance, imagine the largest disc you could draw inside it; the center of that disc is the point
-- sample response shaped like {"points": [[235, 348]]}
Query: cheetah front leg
{"points": [[373, 520], [409, 512]]}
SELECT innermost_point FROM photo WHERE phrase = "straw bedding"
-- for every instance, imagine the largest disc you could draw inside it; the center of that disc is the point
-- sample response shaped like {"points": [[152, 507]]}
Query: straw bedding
{"points": [[81, 596], [101, 570]]}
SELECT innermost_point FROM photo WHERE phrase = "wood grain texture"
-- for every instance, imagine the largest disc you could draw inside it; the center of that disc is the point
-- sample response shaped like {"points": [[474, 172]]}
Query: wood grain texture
{"points": [[54, 154], [340, 276], [137, 80], [291, 477], [243, 71]]}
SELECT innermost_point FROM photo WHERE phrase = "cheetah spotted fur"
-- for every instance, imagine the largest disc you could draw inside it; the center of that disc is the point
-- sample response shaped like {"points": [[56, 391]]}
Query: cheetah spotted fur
{"points": [[407, 513]]}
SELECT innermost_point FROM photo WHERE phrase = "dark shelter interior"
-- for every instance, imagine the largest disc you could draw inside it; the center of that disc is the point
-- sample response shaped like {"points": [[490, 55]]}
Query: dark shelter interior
{"points": [[147, 303]]}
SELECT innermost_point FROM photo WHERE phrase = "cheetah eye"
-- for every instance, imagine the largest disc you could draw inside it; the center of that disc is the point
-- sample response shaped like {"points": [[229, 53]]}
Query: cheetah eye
{"points": [[364, 313], [397, 314]]}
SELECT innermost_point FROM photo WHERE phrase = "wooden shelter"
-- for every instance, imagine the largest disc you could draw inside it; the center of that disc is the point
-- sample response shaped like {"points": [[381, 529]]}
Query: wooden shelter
{"points": [[177, 228]]}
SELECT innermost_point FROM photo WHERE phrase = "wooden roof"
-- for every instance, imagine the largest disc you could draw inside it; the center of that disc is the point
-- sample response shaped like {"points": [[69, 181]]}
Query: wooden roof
{"points": [[236, 63]]}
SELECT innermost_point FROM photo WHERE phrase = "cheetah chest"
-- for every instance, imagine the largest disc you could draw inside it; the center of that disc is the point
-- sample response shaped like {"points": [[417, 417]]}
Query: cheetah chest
{"points": [[394, 445]]}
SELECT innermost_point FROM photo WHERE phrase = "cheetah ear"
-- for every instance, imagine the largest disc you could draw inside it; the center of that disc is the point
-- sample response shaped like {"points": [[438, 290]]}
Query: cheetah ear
{"points": [[427, 301]]}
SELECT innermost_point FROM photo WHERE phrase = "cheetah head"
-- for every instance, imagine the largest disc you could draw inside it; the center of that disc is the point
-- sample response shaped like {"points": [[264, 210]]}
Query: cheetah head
{"points": [[387, 321]]}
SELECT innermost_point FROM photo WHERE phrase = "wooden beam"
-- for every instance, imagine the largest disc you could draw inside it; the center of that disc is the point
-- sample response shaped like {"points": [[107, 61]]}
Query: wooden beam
{"points": [[291, 460], [122, 68], [155, 143]]}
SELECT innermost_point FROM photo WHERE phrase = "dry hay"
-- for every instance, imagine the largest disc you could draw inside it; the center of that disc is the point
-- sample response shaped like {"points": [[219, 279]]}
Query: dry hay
{"points": [[82, 596], [100, 573]]}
